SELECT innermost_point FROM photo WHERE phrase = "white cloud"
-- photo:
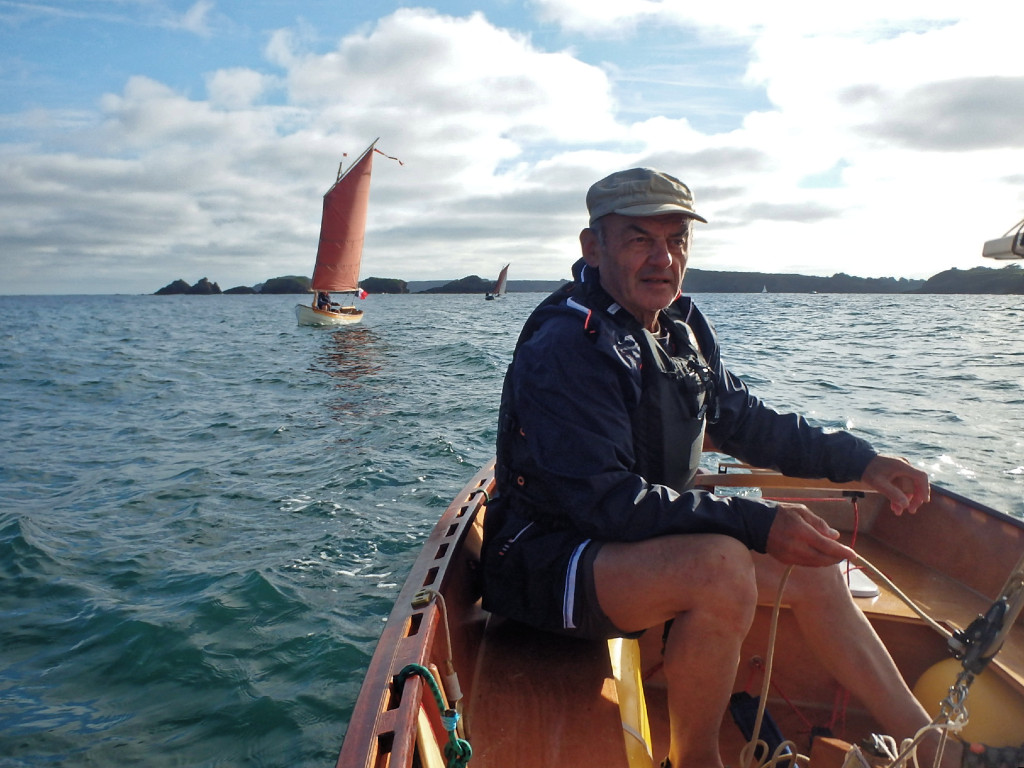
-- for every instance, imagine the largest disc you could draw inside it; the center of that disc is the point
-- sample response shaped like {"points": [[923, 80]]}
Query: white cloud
{"points": [[441, 70], [884, 149], [236, 88], [196, 19], [916, 104], [229, 181], [600, 17]]}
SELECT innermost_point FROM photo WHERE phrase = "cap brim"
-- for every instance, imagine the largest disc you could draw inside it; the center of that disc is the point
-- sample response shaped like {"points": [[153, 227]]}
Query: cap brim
{"points": [[657, 209]]}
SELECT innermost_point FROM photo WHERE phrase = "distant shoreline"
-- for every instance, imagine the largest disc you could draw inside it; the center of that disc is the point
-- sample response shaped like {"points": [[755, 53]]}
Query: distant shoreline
{"points": [[1007, 280]]}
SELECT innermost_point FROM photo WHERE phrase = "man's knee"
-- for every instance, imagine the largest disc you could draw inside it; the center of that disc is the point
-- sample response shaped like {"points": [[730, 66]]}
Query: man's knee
{"points": [[718, 572], [814, 585], [641, 584], [735, 575]]}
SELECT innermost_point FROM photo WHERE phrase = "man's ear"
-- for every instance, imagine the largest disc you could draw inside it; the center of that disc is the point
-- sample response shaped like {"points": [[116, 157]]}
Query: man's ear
{"points": [[589, 247]]}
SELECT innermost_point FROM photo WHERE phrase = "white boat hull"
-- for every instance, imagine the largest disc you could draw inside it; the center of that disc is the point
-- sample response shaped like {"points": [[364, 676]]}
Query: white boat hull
{"points": [[307, 315]]}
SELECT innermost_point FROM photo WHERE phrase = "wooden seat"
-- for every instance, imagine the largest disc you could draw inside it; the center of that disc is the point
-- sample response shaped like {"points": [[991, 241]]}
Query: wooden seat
{"points": [[574, 714]]}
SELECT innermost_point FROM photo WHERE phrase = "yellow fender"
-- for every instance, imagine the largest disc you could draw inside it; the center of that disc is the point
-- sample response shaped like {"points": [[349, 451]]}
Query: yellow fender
{"points": [[995, 711]]}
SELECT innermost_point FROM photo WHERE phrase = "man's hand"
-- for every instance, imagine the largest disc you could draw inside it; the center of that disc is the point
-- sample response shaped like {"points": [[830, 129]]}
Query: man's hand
{"points": [[904, 485], [800, 537]]}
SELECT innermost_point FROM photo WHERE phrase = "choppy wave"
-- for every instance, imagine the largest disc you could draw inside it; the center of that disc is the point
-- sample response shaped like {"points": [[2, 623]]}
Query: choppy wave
{"points": [[206, 511]]}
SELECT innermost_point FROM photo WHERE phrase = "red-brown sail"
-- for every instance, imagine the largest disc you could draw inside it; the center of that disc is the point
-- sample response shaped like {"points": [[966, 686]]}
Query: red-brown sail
{"points": [[500, 286], [343, 227]]}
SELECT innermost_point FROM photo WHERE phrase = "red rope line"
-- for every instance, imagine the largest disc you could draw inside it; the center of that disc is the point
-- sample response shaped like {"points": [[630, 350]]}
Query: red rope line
{"points": [[796, 710], [757, 665], [652, 671], [802, 499], [839, 704]]}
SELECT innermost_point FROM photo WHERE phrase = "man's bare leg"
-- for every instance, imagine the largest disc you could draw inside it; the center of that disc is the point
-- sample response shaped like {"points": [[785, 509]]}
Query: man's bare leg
{"points": [[705, 583], [844, 642]]}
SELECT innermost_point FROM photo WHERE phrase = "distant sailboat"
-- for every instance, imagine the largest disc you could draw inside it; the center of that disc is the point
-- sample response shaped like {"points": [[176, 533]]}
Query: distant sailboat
{"points": [[338, 257], [500, 285], [764, 289]]}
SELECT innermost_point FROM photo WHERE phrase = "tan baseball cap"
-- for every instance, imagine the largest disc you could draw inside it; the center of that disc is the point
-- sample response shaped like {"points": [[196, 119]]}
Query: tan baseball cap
{"points": [[640, 192]]}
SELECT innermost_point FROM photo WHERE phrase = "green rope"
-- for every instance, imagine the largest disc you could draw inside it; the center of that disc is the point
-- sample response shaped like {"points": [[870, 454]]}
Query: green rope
{"points": [[458, 751], [487, 496]]}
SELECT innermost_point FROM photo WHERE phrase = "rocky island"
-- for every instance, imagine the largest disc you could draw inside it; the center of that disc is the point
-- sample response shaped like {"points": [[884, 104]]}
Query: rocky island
{"points": [[977, 280]]}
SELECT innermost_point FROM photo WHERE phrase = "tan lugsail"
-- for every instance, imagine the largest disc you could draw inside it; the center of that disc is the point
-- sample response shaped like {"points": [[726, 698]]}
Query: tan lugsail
{"points": [[343, 228]]}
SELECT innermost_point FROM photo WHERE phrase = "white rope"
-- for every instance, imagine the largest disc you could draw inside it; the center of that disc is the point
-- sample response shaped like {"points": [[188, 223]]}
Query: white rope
{"points": [[905, 598], [786, 752]]}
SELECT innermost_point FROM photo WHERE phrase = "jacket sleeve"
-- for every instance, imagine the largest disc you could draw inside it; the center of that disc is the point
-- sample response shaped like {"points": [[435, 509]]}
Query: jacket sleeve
{"points": [[755, 433], [574, 399]]}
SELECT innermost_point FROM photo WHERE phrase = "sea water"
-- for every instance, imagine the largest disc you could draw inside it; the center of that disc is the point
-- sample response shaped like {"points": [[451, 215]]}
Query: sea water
{"points": [[206, 511]]}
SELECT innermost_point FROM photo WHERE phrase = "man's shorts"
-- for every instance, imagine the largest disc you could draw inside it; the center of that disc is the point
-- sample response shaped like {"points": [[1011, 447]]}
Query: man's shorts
{"points": [[545, 578]]}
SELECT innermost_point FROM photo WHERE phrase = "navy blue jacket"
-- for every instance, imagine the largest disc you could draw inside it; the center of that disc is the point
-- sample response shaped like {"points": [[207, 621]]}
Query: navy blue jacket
{"points": [[574, 399]]}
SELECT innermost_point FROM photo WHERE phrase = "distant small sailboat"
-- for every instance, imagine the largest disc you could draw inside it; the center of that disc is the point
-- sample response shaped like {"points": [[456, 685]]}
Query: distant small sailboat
{"points": [[340, 252], [499, 286], [764, 289]]}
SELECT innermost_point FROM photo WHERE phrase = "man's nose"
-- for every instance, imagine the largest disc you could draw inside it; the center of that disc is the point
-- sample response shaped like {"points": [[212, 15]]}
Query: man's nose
{"points": [[661, 253]]}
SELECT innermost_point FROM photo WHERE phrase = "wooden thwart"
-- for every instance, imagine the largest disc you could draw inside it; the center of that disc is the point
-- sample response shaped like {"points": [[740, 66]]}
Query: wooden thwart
{"points": [[573, 712]]}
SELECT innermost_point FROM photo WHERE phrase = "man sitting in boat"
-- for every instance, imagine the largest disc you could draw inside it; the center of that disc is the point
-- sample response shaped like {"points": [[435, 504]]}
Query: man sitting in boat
{"points": [[323, 301], [615, 384]]}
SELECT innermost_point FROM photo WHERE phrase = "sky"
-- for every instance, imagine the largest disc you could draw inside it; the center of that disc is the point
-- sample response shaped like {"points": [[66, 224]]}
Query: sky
{"points": [[144, 141]]}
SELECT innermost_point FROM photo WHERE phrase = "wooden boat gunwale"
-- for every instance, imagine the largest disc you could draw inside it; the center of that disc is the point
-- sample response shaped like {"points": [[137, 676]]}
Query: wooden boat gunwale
{"points": [[383, 725]]}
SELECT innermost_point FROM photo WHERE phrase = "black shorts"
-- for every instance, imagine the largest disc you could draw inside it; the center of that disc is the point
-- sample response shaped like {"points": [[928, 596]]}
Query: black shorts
{"points": [[545, 578]]}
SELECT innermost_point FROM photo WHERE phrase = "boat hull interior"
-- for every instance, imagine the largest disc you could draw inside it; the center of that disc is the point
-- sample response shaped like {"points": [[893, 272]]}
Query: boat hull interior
{"points": [[530, 698]]}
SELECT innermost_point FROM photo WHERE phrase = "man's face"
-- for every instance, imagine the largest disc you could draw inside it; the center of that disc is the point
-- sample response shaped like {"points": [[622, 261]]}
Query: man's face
{"points": [[642, 260]]}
